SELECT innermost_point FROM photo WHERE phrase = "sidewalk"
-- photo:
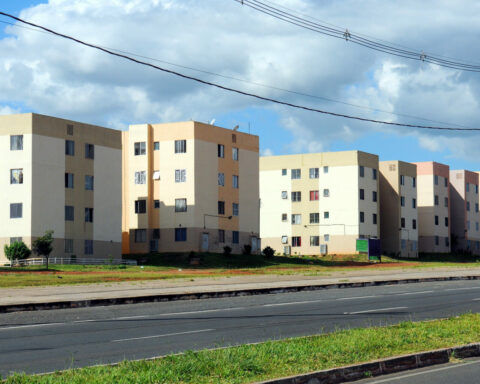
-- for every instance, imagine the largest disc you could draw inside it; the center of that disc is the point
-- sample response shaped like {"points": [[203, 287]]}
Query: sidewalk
{"points": [[208, 287]]}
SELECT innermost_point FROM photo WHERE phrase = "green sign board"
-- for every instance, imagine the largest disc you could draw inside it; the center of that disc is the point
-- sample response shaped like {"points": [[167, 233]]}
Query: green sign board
{"points": [[362, 245]]}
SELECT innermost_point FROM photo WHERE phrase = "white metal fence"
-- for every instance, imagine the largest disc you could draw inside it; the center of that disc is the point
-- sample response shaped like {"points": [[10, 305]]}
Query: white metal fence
{"points": [[72, 260]]}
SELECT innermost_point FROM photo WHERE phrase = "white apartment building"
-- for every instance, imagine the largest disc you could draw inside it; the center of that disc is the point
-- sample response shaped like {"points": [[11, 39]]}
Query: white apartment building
{"points": [[318, 203]]}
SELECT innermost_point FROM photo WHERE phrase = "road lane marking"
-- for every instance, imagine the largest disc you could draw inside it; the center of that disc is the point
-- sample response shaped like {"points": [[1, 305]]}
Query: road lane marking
{"points": [[30, 326], [164, 335], [476, 299], [413, 293], [374, 310], [293, 302], [356, 297], [461, 289]]}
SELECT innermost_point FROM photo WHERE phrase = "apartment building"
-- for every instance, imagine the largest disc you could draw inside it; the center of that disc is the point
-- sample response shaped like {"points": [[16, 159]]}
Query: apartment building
{"points": [[189, 186], [63, 176], [318, 203], [465, 231], [398, 207], [433, 202]]}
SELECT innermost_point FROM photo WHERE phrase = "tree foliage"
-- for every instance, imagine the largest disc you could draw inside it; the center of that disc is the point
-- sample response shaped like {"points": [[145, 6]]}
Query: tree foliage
{"points": [[17, 251], [43, 245]]}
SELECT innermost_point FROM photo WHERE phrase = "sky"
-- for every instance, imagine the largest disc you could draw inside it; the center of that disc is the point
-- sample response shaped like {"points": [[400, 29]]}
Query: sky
{"points": [[45, 74]]}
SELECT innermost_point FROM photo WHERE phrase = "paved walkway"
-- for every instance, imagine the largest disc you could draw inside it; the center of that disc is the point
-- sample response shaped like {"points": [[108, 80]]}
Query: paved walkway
{"points": [[12, 296]]}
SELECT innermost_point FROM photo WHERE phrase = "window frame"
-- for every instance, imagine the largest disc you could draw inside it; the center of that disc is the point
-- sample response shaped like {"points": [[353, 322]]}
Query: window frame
{"points": [[181, 205]]}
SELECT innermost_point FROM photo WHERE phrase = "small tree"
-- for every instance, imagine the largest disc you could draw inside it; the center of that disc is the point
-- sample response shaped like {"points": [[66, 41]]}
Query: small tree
{"points": [[17, 251], [43, 245], [227, 250], [247, 249], [268, 252]]}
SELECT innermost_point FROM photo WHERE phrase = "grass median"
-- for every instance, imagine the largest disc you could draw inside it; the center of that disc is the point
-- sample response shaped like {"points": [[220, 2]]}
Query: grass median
{"points": [[274, 359]]}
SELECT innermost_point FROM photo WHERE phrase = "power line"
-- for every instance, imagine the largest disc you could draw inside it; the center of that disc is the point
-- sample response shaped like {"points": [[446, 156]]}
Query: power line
{"points": [[297, 106], [347, 35]]}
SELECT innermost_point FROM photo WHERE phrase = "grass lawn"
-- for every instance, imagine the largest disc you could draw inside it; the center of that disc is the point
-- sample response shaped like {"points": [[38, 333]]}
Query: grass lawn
{"points": [[170, 266], [274, 359]]}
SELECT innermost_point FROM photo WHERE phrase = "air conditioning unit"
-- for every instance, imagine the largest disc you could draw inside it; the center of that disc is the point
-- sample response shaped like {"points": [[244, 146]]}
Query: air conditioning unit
{"points": [[323, 249], [287, 250]]}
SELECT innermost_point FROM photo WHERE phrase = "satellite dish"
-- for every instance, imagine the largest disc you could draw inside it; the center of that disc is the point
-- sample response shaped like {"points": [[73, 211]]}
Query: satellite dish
{"points": [[236, 128], [212, 121]]}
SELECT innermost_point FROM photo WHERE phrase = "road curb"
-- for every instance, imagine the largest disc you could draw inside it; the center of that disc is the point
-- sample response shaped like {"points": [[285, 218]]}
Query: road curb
{"points": [[215, 294], [381, 367]]}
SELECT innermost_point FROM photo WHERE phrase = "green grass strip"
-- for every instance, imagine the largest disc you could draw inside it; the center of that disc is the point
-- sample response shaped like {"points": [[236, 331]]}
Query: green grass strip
{"points": [[274, 359]]}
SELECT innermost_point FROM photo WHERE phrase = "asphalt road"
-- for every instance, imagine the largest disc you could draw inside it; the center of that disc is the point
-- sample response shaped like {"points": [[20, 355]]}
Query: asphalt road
{"points": [[45, 341], [464, 372]]}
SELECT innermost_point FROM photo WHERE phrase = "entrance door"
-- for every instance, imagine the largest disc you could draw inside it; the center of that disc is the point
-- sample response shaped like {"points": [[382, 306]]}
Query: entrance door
{"points": [[204, 242], [254, 244]]}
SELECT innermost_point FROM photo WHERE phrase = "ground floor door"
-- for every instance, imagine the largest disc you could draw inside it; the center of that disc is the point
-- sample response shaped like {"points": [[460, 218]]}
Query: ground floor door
{"points": [[204, 242]]}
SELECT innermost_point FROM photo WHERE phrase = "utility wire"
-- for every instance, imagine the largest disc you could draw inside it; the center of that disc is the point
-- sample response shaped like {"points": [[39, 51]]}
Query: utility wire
{"points": [[335, 32], [297, 106]]}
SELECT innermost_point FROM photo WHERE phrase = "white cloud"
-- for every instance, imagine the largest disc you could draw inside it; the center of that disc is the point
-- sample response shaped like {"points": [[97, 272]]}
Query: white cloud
{"points": [[266, 152]]}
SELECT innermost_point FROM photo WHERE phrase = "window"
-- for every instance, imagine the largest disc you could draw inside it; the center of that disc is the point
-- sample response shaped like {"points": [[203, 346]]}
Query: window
{"points": [[234, 138], [446, 202], [284, 239], [414, 224], [468, 206], [326, 214], [314, 195], [156, 234], [156, 145], [16, 210], [437, 240], [284, 217], [141, 177], [436, 200], [284, 172], [89, 215], [446, 185], [402, 222], [476, 207], [180, 147], [234, 209], [69, 147], [16, 176], [221, 236], [436, 220], [296, 218], [414, 203], [221, 207], [296, 196], [156, 203], [374, 174], [314, 218], [435, 179], [14, 240], [446, 221], [156, 175], [221, 179], [141, 206], [325, 169], [296, 241], [476, 189], [235, 154], [68, 180], [180, 175], [221, 150], [69, 129], [296, 173], [88, 183], [402, 201], [235, 237], [403, 243], [313, 173], [180, 234], [88, 247], [362, 194], [374, 218], [402, 180], [326, 193], [284, 195], [140, 148], [16, 143], [68, 245], [314, 241], [447, 242], [69, 213], [414, 182], [234, 181], [362, 171], [326, 238], [467, 186], [140, 235], [374, 196], [180, 205], [362, 217], [89, 151]]}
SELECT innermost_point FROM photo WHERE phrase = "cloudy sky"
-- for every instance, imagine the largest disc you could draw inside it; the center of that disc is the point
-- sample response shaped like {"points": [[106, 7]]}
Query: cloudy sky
{"points": [[48, 75]]}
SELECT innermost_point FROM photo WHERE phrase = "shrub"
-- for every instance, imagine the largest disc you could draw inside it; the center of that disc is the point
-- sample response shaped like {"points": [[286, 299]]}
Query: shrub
{"points": [[17, 251], [268, 252], [227, 250], [247, 249]]}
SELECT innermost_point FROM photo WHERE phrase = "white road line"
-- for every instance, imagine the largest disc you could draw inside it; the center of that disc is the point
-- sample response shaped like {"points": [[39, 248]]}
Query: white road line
{"points": [[390, 379], [293, 303], [30, 326], [374, 310], [461, 289], [476, 299], [165, 335], [413, 293], [356, 297]]}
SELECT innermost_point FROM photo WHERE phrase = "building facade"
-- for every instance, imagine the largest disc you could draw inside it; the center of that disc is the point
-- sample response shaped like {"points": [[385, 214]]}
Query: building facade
{"points": [[434, 218], [465, 231], [189, 186], [398, 207], [318, 203], [63, 176]]}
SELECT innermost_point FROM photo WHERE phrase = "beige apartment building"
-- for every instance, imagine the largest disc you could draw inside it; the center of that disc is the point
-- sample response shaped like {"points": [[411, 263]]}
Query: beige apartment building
{"points": [[433, 201], [318, 203], [63, 176], [465, 231], [398, 207], [189, 186]]}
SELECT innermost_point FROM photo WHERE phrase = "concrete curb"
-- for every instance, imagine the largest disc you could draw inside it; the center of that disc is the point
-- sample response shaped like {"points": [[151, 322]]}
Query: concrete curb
{"points": [[214, 294], [381, 367]]}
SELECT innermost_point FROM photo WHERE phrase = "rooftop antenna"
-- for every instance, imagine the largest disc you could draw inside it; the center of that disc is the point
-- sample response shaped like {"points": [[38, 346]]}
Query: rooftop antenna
{"points": [[212, 122], [236, 127]]}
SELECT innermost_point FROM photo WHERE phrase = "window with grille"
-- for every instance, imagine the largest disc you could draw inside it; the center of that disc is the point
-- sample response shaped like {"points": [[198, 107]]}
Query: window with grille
{"points": [[141, 206], [180, 205], [16, 143], [140, 148], [16, 210]]}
